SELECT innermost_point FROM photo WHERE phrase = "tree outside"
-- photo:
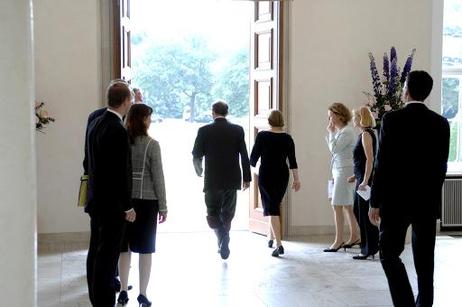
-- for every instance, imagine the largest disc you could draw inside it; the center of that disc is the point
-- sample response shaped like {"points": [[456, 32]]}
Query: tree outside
{"points": [[184, 60]]}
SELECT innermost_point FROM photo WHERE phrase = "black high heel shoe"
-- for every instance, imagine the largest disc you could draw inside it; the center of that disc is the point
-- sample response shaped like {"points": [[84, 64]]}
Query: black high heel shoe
{"points": [[350, 245], [335, 249], [143, 301], [270, 243], [278, 251], [123, 298], [363, 257]]}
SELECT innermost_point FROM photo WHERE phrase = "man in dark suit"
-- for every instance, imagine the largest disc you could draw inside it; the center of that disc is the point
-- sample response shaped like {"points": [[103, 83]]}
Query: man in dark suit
{"points": [[409, 173], [221, 143], [94, 115], [109, 170]]}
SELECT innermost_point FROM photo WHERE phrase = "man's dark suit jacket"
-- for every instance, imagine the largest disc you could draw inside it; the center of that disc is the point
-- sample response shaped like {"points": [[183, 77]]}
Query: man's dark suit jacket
{"points": [[221, 143], [94, 115], [109, 167], [411, 163]]}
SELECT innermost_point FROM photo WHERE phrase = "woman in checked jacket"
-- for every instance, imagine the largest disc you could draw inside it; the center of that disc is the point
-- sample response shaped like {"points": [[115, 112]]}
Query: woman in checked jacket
{"points": [[148, 198]]}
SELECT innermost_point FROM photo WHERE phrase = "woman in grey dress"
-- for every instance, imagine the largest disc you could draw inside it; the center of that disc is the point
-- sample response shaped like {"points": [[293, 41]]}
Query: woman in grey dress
{"points": [[341, 141], [148, 199]]}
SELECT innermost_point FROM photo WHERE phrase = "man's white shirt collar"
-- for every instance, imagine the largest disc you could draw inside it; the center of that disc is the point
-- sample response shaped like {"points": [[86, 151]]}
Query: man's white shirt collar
{"points": [[413, 101], [116, 113]]}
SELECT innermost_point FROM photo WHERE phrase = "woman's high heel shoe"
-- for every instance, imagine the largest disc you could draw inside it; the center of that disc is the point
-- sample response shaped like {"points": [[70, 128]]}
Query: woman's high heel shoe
{"points": [[278, 251], [143, 301], [335, 249], [350, 245], [270, 243], [123, 298], [363, 257]]}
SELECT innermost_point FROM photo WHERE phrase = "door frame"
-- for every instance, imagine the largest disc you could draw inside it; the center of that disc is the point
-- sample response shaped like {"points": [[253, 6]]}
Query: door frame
{"points": [[110, 29]]}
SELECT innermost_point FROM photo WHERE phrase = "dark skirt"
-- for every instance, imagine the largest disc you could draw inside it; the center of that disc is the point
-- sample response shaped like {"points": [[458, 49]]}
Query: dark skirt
{"points": [[140, 236], [273, 186]]}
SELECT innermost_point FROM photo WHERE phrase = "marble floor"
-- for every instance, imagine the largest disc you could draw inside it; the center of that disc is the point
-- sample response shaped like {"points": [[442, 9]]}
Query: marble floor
{"points": [[187, 271]]}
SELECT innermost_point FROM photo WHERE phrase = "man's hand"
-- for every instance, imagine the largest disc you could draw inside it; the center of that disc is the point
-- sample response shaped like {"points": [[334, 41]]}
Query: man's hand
{"points": [[374, 216], [130, 215], [162, 217], [245, 185], [198, 166]]}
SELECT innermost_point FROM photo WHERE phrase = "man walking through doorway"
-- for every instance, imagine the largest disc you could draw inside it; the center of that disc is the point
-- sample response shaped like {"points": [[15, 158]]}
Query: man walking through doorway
{"points": [[221, 143]]}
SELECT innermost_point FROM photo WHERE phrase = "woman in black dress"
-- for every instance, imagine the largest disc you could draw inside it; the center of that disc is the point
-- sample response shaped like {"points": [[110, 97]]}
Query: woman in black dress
{"points": [[363, 159], [274, 147]]}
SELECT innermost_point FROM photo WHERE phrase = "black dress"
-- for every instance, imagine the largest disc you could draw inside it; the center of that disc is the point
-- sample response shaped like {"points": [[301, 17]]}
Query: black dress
{"points": [[274, 149], [369, 232]]}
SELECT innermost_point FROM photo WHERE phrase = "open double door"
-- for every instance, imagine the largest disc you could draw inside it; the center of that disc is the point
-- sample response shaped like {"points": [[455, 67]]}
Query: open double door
{"points": [[265, 75]]}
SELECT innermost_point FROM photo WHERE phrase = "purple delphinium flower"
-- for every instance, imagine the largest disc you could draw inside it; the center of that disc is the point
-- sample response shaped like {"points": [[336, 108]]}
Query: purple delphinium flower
{"points": [[376, 84], [393, 54], [391, 86], [407, 67], [386, 67]]}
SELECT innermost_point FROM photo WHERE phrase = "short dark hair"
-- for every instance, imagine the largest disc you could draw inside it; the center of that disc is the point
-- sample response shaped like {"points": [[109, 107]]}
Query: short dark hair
{"points": [[220, 108], [419, 84], [117, 93], [135, 121]]}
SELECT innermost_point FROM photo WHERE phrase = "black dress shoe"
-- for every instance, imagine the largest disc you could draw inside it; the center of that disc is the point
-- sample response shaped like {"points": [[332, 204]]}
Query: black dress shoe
{"points": [[143, 301], [363, 257], [224, 247], [123, 298]]}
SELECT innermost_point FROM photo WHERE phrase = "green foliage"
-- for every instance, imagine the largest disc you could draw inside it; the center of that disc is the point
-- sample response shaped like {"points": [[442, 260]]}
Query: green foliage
{"points": [[233, 84], [173, 76], [450, 99], [177, 78]]}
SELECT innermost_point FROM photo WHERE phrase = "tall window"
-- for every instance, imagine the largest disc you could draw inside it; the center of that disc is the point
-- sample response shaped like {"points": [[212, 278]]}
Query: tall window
{"points": [[451, 104]]}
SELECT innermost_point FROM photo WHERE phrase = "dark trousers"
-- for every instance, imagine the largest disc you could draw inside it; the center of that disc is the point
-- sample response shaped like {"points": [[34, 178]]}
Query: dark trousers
{"points": [[369, 232], [393, 228], [102, 258], [221, 206]]}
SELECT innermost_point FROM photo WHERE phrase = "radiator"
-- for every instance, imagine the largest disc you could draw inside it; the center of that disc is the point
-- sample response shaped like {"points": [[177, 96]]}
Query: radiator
{"points": [[451, 213]]}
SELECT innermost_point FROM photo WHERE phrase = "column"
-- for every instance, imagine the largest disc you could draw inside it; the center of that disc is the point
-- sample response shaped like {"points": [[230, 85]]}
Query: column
{"points": [[18, 186]]}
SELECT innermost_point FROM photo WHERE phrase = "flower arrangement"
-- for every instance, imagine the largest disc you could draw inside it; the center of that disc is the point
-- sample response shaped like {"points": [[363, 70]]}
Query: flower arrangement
{"points": [[42, 117], [388, 90]]}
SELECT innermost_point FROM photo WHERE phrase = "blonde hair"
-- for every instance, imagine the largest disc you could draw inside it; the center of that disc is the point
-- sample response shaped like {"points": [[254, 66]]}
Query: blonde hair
{"points": [[366, 120], [275, 119], [341, 111]]}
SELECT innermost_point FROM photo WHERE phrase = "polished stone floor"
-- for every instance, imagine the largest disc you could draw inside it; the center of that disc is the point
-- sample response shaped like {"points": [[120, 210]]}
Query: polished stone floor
{"points": [[187, 271]]}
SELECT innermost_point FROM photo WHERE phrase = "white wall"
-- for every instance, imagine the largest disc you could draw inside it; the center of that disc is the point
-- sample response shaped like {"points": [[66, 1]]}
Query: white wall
{"points": [[67, 59], [328, 56], [328, 61]]}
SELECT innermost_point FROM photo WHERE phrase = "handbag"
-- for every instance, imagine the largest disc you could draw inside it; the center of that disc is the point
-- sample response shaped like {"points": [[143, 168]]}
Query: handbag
{"points": [[83, 191]]}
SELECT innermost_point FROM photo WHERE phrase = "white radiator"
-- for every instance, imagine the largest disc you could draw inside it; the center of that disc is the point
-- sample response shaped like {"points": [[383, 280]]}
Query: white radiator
{"points": [[451, 213]]}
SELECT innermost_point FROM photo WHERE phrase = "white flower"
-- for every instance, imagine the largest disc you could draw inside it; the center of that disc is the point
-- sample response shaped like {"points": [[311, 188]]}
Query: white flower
{"points": [[387, 108]]}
